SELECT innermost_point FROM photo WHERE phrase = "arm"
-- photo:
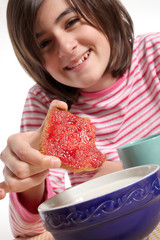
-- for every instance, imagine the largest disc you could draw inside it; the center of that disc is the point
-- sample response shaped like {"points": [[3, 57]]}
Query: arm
{"points": [[108, 167], [25, 172], [25, 223]]}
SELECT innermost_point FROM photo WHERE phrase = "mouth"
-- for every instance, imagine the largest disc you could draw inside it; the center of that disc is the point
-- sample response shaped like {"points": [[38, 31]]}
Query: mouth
{"points": [[80, 61]]}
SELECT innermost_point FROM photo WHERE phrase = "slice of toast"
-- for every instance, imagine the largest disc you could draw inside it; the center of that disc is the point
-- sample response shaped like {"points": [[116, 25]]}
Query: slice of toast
{"points": [[72, 140]]}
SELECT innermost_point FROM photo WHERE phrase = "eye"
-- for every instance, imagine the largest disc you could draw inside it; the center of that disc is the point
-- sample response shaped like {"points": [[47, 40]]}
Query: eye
{"points": [[44, 44], [72, 22]]}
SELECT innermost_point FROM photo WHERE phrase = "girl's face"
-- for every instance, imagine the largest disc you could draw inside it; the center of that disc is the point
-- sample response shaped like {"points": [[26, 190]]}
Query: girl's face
{"points": [[74, 53]]}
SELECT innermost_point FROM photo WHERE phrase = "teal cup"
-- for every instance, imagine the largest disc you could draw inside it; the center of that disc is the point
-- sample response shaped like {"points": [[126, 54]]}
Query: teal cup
{"points": [[140, 152]]}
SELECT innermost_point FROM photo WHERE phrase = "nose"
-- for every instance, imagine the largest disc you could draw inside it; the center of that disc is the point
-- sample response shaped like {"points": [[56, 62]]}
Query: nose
{"points": [[66, 45]]}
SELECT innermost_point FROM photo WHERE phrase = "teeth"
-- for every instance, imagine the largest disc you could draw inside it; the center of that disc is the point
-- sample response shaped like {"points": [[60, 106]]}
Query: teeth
{"points": [[81, 60]]}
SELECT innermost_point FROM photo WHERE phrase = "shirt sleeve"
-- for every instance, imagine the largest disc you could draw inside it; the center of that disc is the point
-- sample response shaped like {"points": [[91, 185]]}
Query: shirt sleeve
{"points": [[148, 55], [23, 223]]}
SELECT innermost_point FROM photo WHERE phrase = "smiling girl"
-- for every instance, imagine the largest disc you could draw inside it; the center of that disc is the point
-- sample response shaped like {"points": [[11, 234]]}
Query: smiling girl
{"points": [[83, 57]]}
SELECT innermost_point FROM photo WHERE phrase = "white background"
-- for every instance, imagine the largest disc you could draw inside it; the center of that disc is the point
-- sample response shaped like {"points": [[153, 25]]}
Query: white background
{"points": [[14, 82]]}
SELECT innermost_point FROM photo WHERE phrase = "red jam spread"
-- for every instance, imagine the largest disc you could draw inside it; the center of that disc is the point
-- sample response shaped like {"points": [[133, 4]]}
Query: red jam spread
{"points": [[72, 139]]}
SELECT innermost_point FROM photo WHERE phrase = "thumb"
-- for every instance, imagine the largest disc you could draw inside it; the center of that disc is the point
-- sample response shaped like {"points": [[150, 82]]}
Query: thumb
{"points": [[3, 190]]}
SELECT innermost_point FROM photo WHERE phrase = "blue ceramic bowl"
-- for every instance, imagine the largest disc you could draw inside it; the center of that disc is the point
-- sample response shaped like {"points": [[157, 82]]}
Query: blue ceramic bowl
{"points": [[124, 205]]}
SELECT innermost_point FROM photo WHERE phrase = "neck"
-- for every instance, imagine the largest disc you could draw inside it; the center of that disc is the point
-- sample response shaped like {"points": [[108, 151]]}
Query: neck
{"points": [[106, 81]]}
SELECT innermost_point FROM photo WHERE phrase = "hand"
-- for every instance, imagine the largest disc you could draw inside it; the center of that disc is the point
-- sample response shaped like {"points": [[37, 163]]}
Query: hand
{"points": [[25, 167], [108, 167]]}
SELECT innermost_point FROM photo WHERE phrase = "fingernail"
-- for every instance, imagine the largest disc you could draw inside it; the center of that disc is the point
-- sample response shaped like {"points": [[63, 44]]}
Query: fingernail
{"points": [[55, 163]]}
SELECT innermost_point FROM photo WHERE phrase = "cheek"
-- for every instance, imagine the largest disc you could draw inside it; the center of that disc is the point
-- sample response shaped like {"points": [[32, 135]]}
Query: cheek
{"points": [[50, 64], [52, 67], [105, 48], [101, 42]]}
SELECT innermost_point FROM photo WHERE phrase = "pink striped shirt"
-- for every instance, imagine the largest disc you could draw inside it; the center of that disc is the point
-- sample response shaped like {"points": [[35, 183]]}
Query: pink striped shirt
{"points": [[128, 110]]}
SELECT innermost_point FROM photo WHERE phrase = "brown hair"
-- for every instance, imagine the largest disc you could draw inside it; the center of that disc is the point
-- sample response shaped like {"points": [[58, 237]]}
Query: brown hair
{"points": [[109, 16]]}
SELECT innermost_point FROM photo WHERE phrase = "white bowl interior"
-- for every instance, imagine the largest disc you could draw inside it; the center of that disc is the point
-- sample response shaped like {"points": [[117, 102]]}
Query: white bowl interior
{"points": [[98, 187]]}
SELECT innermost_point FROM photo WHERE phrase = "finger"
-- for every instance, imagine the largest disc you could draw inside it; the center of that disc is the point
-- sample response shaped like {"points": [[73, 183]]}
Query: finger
{"points": [[58, 104], [2, 194], [3, 190], [25, 184], [40, 161], [14, 184], [55, 103], [21, 146], [20, 168]]}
